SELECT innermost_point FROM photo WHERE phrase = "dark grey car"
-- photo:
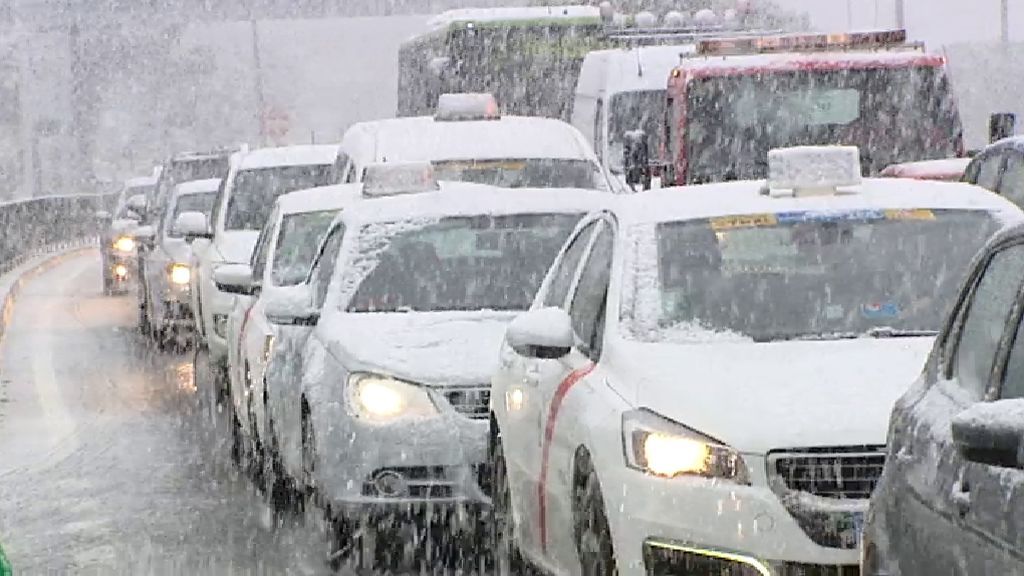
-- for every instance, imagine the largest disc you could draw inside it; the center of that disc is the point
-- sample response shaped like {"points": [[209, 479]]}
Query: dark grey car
{"points": [[951, 498]]}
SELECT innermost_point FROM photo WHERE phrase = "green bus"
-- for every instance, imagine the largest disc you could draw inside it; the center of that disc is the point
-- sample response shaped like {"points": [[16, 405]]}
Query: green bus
{"points": [[528, 57], [5, 566]]}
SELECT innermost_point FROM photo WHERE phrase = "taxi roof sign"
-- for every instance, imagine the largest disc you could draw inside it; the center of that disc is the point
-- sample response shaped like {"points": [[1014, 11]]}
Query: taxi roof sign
{"points": [[804, 43], [813, 170], [397, 178], [467, 107]]}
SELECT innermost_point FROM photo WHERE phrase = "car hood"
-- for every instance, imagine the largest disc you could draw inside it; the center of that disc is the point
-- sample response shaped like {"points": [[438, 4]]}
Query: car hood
{"points": [[236, 246], [760, 397], [177, 250], [431, 348], [123, 226]]}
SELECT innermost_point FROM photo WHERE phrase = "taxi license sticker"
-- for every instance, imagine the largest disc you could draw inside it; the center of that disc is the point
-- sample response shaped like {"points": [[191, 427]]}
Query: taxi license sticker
{"points": [[743, 221], [487, 165], [846, 215], [914, 214], [879, 310]]}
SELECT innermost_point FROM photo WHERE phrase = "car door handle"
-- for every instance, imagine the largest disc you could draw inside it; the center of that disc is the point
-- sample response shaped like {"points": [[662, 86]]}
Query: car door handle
{"points": [[961, 496]]}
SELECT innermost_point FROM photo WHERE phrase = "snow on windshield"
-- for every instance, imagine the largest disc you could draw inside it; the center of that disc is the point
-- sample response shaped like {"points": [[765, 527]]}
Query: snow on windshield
{"points": [[800, 275], [454, 263]]}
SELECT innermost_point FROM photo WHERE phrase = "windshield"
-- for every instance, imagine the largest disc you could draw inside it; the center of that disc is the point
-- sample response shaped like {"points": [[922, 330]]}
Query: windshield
{"points": [[632, 111], [297, 245], [458, 263], [523, 173], [122, 209], [801, 275], [254, 192], [893, 115], [202, 202]]}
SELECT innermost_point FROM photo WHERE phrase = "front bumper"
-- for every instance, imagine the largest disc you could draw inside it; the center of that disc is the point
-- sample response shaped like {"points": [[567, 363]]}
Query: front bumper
{"points": [[704, 526], [392, 468]]}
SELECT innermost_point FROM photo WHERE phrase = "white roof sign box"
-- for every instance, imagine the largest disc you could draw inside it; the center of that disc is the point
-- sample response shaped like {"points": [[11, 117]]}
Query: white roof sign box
{"points": [[813, 169]]}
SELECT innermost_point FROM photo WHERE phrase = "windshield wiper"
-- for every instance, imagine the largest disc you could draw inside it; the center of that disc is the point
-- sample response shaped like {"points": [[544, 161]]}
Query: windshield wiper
{"points": [[888, 332]]}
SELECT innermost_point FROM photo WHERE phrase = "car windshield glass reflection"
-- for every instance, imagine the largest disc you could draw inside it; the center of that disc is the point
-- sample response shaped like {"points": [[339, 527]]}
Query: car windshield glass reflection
{"points": [[255, 191], [464, 263], [297, 246], [202, 203], [802, 274]]}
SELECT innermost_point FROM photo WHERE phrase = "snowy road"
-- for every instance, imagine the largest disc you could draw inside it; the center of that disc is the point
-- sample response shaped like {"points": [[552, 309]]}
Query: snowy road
{"points": [[103, 468]]}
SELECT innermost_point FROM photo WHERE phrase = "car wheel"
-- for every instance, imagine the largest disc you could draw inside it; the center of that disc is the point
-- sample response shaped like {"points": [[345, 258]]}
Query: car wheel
{"points": [[255, 444], [593, 536], [308, 480], [281, 489], [504, 550]]}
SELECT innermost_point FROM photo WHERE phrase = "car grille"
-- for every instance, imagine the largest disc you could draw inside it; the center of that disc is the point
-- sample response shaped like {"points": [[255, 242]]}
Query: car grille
{"points": [[419, 482], [826, 490], [470, 402], [844, 473]]}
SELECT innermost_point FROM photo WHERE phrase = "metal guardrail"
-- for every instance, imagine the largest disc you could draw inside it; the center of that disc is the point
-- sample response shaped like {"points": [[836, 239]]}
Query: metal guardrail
{"points": [[36, 226]]}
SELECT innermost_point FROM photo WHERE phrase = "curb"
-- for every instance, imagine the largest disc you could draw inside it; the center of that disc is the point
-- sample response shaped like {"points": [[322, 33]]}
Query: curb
{"points": [[12, 282]]}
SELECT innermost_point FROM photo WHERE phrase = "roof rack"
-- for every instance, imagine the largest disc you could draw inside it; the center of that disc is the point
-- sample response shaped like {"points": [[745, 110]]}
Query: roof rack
{"points": [[741, 45]]}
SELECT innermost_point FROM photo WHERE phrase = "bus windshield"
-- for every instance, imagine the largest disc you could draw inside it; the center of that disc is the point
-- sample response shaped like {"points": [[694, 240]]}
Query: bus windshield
{"points": [[894, 115]]}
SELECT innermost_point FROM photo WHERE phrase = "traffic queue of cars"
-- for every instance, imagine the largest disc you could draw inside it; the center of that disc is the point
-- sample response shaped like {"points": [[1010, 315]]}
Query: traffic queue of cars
{"points": [[456, 319]]}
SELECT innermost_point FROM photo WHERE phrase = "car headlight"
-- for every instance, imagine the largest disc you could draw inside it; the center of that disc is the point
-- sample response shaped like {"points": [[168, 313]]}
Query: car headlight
{"points": [[659, 446], [382, 398], [180, 274], [124, 244]]}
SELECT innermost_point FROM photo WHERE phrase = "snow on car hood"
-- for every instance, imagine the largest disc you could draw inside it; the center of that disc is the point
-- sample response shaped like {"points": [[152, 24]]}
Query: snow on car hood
{"points": [[431, 348], [759, 397], [122, 226], [236, 246], [178, 250]]}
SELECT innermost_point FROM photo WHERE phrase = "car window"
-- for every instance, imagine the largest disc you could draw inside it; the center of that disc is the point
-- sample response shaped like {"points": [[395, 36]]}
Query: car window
{"points": [[558, 289], [988, 172], [985, 320], [588, 304], [297, 245], [262, 251], [1011, 185], [324, 267]]}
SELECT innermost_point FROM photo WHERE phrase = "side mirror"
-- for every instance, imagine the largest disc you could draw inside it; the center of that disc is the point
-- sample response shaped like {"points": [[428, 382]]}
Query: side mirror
{"points": [[291, 307], [991, 433], [1001, 125], [542, 333], [137, 203], [636, 160], [144, 235], [235, 279], [191, 225]]}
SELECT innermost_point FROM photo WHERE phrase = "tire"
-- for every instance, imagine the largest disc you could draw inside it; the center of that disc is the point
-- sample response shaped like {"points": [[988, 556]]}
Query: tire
{"points": [[280, 488], [308, 481], [254, 445], [593, 536], [501, 529]]}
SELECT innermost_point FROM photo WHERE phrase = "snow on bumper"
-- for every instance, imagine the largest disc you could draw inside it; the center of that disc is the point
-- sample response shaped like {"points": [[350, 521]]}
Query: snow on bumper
{"points": [[659, 523], [366, 467]]}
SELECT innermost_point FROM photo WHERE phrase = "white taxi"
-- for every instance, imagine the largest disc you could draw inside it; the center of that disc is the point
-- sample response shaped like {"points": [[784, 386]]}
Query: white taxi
{"points": [[409, 298], [469, 140], [704, 380], [279, 267], [256, 178]]}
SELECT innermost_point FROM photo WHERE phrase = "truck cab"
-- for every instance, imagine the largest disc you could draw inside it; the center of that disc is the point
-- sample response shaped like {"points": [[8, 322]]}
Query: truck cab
{"points": [[737, 98]]}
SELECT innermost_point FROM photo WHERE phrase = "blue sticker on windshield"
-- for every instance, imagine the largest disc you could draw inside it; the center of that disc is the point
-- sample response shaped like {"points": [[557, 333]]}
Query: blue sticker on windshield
{"points": [[878, 310], [857, 215]]}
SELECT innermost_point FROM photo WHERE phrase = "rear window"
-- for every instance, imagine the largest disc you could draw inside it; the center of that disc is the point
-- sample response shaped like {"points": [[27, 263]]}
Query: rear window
{"points": [[254, 191]]}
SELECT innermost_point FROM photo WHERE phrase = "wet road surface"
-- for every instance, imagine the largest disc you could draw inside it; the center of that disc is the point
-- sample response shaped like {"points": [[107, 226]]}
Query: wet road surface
{"points": [[104, 465]]}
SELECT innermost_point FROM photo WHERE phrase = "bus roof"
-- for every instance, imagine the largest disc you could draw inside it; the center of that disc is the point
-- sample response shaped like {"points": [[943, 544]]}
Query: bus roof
{"points": [[519, 16]]}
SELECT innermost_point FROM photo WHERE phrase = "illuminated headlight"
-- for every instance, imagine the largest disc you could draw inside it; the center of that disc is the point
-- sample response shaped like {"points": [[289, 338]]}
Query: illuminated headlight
{"points": [[661, 447], [121, 271], [382, 399], [180, 274], [125, 244]]}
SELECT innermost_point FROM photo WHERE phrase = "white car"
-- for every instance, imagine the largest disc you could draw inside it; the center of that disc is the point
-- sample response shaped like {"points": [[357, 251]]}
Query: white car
{"points": [[279, 267], [166, 300], [255, 180], [704, 380], [409, 299], [468, 140]]}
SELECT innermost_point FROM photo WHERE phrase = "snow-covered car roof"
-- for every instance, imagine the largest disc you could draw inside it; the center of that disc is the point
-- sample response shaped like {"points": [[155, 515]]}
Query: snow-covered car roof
{"points": [[741, 198], [306, 155], [516, 14], [950, 169], [197, 187], [464, 199], [1016, 142], [704, 66], [140, 182], [422, 139], [317, 199]]}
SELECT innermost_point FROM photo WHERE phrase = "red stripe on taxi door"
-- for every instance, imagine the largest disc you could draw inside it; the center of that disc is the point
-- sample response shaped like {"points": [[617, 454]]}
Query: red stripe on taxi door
{"points": [[549, 431]]}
